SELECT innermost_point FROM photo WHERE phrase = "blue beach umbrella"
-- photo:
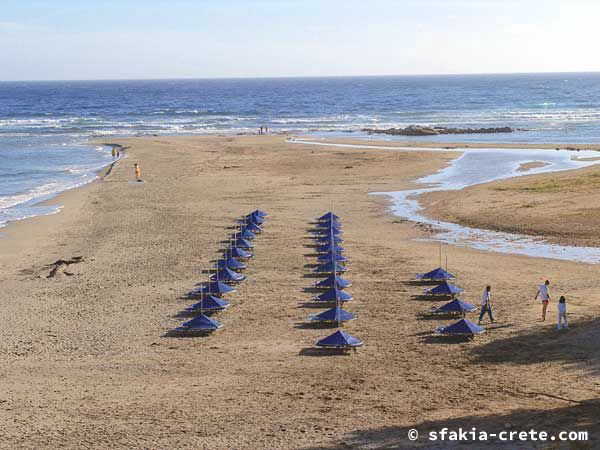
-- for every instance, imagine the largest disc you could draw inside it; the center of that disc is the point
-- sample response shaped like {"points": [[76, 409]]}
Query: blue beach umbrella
{"points": [[330, 267], [329, 248], [236, 252], [327, 257], [333, 295], [444, 288], [201, 323], [214, 288], [243, 244], [326, 240], [333, 281], [230, 263], [208, 303], [254, 218], [258, 212], [329, 224], [328, 216], [328, 232], [246, 222], [438, 274], [455, 306], [226, 274], [252, 227], [244, 234], [340, 339], [463, 327], [335, 314]]}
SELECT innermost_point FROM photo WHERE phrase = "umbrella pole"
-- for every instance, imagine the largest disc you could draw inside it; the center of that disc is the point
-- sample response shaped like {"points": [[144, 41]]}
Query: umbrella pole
{"points": [[204, 294], [337, 300], [217, 272]]}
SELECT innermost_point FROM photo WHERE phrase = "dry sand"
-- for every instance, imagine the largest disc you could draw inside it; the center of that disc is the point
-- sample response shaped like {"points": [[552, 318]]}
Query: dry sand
{"points": [[86, 364]]}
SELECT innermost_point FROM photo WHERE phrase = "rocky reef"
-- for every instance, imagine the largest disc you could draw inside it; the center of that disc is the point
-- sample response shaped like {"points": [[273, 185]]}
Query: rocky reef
{"points": [[421, 130]]}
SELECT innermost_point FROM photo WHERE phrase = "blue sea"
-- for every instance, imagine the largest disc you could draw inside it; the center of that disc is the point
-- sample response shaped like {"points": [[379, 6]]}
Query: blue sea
{"points": [[46, 127]]}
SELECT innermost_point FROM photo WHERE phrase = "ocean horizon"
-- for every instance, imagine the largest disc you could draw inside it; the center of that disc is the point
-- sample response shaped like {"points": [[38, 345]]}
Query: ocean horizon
{"points": [[297, 77]]}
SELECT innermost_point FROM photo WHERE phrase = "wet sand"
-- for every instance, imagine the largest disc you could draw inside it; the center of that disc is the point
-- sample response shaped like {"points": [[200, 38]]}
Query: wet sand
{"points": [[85, 360]]}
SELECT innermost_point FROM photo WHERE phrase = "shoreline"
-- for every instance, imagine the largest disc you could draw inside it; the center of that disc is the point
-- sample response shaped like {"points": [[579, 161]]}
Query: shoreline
{"points": [[49, 199], [53, 201], [369, 142]]}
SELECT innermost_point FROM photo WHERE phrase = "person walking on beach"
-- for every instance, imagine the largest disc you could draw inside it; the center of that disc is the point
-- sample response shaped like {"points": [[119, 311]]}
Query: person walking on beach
{"points": [[562, 313], [544, 293], [486, 304], [138, 172], [114, 153]]}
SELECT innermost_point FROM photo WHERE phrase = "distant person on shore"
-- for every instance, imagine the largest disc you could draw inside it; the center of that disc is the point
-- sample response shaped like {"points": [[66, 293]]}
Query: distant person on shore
{"points": [[260, 131], [114, 153], [118, 153], [562, 313], [486, 304], [266, 130], [138, 172], [544, 293]]}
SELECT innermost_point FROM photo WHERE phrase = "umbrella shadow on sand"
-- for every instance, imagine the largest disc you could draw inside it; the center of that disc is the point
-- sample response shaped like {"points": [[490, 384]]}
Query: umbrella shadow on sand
{"points": [[577, 347], [431, 298], [423, 283], [315, 351], [574, 416]]}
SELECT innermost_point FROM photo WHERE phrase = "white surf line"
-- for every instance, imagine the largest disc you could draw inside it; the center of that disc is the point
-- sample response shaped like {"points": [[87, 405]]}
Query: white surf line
{"points": [[30, 204], [377, 147], [483, 165]]}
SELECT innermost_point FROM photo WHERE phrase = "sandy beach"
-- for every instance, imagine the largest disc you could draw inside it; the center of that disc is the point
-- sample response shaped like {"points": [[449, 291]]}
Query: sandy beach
{"points": [[85, 357]]}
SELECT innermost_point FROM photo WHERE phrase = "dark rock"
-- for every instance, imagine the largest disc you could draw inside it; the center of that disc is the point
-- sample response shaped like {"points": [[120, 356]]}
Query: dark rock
{"points": [[420, 130]]}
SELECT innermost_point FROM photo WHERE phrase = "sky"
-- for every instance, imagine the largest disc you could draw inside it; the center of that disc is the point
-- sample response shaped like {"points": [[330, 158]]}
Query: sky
{"points": [[149, 39]]}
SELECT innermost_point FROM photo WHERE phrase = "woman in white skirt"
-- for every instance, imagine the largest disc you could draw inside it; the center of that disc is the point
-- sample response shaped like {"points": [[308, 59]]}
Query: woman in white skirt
{"points": [[562, 313]]}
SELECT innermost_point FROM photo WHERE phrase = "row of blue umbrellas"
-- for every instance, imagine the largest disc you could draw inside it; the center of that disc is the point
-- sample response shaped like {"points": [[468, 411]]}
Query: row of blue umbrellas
{"points": [[331, 260], [456, 306], [228, 274]]}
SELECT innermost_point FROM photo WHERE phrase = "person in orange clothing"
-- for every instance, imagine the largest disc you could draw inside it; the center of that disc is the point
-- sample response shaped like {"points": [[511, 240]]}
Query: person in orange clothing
{"points": [[138, 172]]}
